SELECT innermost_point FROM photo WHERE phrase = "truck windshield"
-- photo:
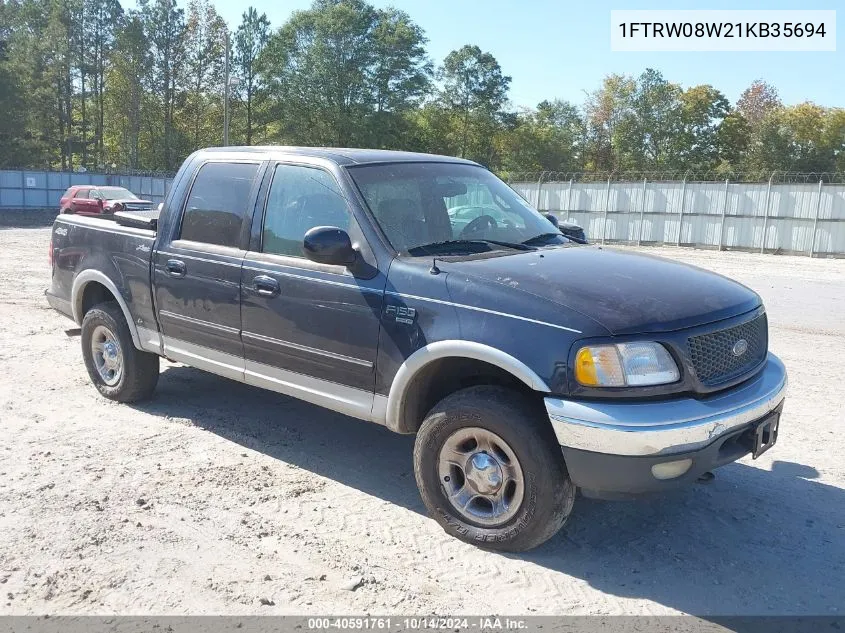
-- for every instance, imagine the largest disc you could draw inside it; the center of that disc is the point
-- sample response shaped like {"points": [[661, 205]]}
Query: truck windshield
{"points": [[448, 208]]}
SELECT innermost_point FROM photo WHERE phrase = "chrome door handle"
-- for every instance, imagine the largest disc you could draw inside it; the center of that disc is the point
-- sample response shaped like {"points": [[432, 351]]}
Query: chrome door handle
{"points": [[266, 286], [175, 268]]}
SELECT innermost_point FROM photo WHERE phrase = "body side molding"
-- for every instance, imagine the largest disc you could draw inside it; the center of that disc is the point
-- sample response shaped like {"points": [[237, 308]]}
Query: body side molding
{"points": [[357, 403]]}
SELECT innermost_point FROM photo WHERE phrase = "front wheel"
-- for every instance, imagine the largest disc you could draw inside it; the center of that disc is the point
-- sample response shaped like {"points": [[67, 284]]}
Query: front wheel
{"points": [[118, 370], [490, 470]]}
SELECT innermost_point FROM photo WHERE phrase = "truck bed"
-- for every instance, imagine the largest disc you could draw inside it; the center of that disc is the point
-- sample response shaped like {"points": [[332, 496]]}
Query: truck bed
{"points": [[111, 251], [137, 223]]}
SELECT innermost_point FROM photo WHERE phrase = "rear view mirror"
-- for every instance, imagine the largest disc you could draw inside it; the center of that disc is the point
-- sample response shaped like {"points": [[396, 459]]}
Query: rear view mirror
{"points": [[451, 189], [329, 245]]}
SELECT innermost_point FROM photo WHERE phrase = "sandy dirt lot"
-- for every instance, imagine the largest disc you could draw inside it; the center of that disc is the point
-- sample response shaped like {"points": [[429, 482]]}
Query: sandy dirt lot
{"points": [[217, 498]]}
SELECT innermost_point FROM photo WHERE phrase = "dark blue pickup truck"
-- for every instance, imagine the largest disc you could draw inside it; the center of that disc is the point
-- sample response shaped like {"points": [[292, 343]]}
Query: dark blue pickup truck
{"points": [[527, 365]]}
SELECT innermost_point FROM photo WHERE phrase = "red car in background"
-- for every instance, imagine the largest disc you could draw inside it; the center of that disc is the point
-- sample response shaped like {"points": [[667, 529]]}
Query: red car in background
{"points": [[99, 200]]}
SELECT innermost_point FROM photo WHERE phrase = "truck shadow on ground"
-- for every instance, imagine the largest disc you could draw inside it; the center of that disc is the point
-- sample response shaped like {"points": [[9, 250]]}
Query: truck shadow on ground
{"points": [[754, 541]]}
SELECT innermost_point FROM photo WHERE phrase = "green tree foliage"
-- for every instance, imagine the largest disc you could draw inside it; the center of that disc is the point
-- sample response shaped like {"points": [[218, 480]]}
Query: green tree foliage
{"points": [[697, 145], [12, 97], [205, 49], [835, 137], [609, 122], [733, 137], [103, 21], [801, 138], [250, 39], [474, 93], [84, 83], [341, 71], [164, 25], [58, 58], [550, 138], [127, 142], [655, 123], [400, 76]]}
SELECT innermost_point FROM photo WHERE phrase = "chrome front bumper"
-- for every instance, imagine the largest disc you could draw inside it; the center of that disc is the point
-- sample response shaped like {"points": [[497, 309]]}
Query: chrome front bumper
{"points": [[670, 426]]}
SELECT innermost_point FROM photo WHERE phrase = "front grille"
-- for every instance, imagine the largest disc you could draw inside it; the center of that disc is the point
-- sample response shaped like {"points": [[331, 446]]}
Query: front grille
{"points": [[713, 356]]}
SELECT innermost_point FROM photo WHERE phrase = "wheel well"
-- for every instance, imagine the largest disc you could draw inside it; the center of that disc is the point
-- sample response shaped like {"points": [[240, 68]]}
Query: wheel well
{"points": [[443, 376], [93, 294]]}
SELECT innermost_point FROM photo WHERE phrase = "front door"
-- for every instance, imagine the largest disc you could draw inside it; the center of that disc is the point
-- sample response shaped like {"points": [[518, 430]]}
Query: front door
{"points": [[309, 330], [85, 202], [197, 275]]}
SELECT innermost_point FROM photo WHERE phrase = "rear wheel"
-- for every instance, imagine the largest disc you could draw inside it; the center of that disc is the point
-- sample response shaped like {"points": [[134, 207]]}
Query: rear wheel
{"points": [[490, 470], [119, 370]]}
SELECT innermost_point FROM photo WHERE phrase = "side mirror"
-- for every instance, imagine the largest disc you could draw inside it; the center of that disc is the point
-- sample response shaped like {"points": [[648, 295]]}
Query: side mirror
{"points": [[553, 219], [329, 245], [100, 202]]}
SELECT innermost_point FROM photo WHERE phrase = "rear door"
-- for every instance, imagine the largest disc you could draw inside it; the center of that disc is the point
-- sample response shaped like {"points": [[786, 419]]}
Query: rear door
{"points": [[197, 273], [309, 330]]}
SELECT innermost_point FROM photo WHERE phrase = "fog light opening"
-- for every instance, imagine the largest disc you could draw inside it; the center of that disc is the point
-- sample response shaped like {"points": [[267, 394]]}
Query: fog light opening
{"points": [[671, 470]]}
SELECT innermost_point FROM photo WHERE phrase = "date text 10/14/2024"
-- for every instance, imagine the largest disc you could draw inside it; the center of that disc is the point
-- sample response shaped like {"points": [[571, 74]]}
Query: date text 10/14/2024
{"points": [[479, 623]]}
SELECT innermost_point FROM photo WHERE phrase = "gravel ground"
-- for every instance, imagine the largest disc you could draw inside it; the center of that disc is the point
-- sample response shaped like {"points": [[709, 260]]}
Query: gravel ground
{"points": [[217, 497]]}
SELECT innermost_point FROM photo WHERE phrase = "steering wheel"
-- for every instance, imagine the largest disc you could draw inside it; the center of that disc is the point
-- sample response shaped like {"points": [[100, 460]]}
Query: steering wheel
{"points": [[479, 224]]}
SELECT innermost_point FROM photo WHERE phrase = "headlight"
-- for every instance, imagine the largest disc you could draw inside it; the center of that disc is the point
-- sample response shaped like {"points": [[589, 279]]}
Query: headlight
{"points": [[625, 365]]}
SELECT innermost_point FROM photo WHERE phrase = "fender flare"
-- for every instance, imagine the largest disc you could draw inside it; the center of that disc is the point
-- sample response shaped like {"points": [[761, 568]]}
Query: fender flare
{"points": [[446, 349], [90, 275]]}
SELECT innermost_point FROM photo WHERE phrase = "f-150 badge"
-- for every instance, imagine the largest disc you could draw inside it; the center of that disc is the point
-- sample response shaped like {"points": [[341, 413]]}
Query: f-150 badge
{"points": [[401, 314]]}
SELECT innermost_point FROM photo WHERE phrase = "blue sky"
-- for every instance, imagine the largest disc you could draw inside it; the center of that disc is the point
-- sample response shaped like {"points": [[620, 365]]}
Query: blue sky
{"points": [[555, 48]]}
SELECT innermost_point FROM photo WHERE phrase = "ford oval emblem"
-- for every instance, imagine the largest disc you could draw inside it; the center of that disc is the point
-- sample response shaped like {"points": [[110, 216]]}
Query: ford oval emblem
{"points": [[740, 347]]}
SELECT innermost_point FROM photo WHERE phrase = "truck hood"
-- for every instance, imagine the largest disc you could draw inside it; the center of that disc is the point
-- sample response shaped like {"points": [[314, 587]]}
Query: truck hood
{"points": [[626, 293]]}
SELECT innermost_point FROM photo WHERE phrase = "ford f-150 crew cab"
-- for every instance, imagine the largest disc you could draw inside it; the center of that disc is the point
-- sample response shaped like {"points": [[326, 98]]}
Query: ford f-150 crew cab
{"points": [[527, 365]]}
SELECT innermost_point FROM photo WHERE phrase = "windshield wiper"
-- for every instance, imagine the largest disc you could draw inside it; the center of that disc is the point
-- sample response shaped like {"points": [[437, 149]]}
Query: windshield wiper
{"points": [[513, 245], [541, 238]]}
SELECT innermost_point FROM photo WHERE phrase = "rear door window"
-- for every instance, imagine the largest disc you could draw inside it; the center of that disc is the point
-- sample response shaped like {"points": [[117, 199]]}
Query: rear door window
{"points": [[82, 194], [218, 202]]}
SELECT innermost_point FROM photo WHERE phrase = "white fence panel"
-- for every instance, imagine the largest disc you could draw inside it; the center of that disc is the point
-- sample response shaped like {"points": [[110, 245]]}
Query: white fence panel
{"points": [[801, 218]]}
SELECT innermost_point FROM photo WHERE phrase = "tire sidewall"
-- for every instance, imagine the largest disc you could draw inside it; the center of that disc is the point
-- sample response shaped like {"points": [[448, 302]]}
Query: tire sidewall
{"points": [[101, 316], [547, 485]]}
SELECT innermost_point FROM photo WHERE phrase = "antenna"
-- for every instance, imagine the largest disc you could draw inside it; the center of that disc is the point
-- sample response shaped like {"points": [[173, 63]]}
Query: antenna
{"points": [[434, 270]]}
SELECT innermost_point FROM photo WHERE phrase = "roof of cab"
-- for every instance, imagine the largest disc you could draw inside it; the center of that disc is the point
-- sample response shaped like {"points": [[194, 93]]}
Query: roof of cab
{"points": [[344, 156]]}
